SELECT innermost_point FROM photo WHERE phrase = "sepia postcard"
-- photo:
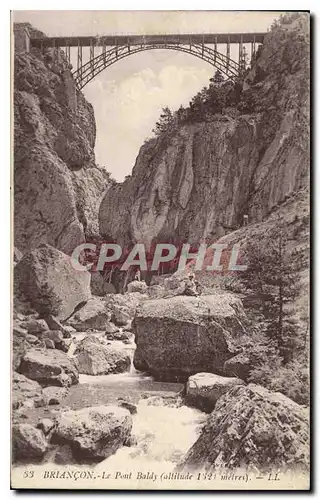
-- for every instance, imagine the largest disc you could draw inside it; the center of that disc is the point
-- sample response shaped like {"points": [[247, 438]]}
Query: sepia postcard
{"points": [[160, 258]]}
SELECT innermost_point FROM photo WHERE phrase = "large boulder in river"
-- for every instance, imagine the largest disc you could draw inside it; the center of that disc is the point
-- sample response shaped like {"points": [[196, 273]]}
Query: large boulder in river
{"points": [[204, 389], [94, 433], [181, 336], [46, 278], [94, 358], [252, 428], [127, 303], [93, 316], [49, 367]]}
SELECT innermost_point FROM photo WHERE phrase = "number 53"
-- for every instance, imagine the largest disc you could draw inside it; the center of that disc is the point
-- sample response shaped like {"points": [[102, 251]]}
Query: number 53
{"points": [[28, 474]]}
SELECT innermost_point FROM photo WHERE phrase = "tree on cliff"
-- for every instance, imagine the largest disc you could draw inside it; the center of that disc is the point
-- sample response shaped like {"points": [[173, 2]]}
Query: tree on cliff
{"points": [[271, 276], [218, 78], [165, 122]]}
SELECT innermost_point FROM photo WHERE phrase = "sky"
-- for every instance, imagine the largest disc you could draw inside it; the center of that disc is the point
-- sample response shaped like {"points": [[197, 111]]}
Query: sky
{"points": [[128, 96]]}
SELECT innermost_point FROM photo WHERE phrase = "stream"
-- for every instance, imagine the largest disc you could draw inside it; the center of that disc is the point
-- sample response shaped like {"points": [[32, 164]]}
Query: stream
{"points": [[162, 430], [162, 433]]}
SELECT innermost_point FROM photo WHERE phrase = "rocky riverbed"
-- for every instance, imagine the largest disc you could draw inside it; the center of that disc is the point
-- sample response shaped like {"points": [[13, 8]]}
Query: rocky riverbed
{"points": [[119, 381]]}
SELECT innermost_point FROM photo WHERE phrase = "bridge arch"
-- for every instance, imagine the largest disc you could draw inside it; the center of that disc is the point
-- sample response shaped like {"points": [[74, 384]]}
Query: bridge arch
{"points": [[116, 47], [86, 72]]}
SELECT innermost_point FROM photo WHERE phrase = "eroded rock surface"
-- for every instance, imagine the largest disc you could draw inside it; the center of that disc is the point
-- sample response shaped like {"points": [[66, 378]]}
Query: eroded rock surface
{"points": [[204, 389], [94, 433], [94, 315], [58, 187], [25, 391], [49, 367], [181, 336], [46, 278], [28, 443], [253, 428], [199, 182], [94, 358]]}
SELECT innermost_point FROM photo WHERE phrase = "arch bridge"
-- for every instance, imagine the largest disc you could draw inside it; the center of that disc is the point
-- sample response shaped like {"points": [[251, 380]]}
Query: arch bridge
{"points": [[106, 50]]}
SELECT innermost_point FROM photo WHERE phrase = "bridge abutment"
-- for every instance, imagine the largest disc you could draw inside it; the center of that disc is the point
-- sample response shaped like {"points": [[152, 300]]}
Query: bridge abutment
{"points": [[21, 38]]}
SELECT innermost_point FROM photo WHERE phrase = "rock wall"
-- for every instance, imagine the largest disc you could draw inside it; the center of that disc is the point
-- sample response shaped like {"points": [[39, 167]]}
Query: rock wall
{"points": [[57, 186], [198, 183]]}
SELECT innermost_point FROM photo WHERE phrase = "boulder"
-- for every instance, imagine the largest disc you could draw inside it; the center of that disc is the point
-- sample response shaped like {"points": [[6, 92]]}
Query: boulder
{"points": [[238, 366], [204, 389], [54, 395], [37, 327], [127, 303], [28, 442], [111, 328], [67, 331], [96, 359], [120, 317], [49, 367], [182, 336], [252, 428], [122, 336], [24, 389], [94, 433], [93, 316], [32, 339], [54, 324], [137, 286], [49, 343], [89, 339], [46, 278], [157, 292], [55, 335], [64, 345]]}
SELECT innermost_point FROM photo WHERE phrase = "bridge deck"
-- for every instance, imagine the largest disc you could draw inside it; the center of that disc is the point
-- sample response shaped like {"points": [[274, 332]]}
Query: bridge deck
{"points": [[87, 41]]}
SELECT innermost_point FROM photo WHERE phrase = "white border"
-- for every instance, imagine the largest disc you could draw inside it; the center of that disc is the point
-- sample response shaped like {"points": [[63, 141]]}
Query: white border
{"points": [[289, 5]]}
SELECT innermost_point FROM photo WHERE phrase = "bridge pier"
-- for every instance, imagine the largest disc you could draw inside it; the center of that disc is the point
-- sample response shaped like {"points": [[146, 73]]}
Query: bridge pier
{"points": [[79, 59], [21, 38]]}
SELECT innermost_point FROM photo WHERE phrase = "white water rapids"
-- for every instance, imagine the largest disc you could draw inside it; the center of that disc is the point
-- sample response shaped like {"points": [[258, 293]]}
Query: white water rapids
{"points": [[161, 434]]}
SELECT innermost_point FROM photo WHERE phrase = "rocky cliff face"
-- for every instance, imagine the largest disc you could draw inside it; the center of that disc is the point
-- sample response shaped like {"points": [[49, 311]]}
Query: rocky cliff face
{"points": [[198, 183], [57, 186]]}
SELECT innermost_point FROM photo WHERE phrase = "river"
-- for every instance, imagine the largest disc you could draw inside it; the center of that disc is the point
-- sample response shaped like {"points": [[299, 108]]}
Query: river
{"points": [[162, 433]]}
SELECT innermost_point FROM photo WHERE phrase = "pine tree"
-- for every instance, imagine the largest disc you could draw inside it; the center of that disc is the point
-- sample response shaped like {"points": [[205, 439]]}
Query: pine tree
{"points": [[271, 276], [218, 78], [165, 122]]}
